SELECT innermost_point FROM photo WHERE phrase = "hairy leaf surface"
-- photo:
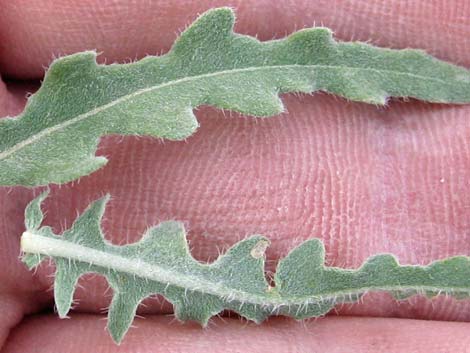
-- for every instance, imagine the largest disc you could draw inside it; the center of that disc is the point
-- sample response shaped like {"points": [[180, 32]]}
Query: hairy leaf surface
{"points": [[55, 139], [160, 263]]}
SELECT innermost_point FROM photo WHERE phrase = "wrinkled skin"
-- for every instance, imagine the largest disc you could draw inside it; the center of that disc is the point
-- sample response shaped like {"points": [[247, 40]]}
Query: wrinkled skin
{"points": [[362, 178]]}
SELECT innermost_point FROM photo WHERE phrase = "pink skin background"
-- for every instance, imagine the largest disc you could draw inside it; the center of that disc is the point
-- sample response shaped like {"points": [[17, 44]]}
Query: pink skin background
{"points": [[364, 179]]}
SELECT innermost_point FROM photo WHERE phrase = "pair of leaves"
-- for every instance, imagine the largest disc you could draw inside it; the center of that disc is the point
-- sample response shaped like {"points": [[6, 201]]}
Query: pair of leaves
{"points": [[55, 138], [160, 263]]}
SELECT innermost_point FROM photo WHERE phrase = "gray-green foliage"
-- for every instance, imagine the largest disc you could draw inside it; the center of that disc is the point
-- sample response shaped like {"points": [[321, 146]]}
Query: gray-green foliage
{"points": [[55, 138], [161, 263]]}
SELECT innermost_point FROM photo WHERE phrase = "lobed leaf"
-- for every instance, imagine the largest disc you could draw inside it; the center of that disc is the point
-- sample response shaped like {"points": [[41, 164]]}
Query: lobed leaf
{"points": [[55, 139], [160, 263]]}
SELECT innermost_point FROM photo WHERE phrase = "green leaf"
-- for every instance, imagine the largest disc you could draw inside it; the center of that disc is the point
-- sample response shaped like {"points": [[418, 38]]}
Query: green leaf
{"points": [[160, 263], [55, 139]]}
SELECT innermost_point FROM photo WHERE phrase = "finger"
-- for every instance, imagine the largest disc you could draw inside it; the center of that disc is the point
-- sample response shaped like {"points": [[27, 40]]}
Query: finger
{"points": [[32, 34], [12, 98], [278, 335]]}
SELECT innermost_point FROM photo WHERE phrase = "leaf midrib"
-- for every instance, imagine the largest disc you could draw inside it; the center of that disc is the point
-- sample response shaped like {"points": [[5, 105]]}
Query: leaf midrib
{"points": [[55, 247], [15, 148]]}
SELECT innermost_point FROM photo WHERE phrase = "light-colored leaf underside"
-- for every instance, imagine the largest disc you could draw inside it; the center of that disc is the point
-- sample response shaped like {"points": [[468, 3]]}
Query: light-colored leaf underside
{"points": [[55, 139], [160, 263]]}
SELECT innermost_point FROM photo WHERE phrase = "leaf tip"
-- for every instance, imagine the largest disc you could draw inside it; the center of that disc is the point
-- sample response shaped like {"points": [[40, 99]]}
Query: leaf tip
{"points": [[116, 336], [31, 260], [222, 15], [212, 24], [70, 64], [259, 249], [33, 212], [62, 310], [99, 206]]}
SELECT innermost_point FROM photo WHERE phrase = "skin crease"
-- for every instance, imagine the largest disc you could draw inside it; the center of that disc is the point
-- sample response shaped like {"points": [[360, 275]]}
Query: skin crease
{"points": [[364, 179]]}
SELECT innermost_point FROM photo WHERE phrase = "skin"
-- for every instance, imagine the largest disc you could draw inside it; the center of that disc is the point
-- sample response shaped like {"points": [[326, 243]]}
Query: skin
{"points": [[364, 179]]}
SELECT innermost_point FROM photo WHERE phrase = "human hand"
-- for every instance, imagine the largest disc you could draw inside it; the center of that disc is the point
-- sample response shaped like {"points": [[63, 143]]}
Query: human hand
{"points": [[364, 179]]}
